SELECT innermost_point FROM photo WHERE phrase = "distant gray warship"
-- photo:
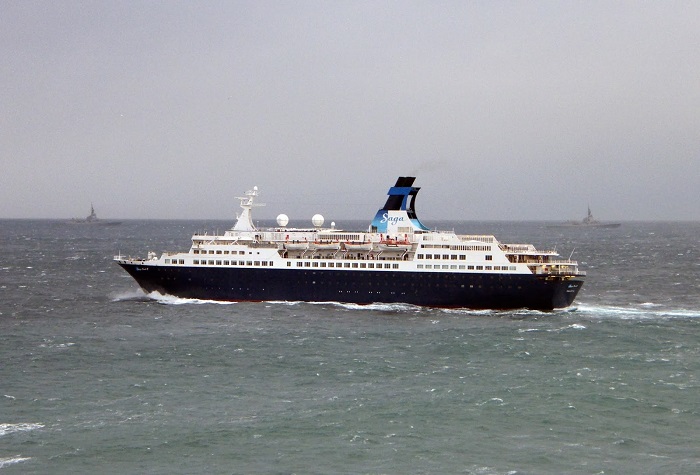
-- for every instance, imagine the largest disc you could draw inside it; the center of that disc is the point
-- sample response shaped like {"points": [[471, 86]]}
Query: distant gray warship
{"points": [[587, 222], [93, 219]]}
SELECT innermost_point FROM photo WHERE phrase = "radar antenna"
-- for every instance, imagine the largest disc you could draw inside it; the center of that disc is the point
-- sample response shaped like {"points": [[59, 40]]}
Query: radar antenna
{"points": [[245, 220]]}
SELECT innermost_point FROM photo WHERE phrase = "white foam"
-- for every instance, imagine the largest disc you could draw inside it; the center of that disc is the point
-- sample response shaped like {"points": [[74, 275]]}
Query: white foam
{"points": [[127, 295], [5, 462], [382, 307], [21, 427], [645, 310], [385, 307], [172, 300], [140, 296]]}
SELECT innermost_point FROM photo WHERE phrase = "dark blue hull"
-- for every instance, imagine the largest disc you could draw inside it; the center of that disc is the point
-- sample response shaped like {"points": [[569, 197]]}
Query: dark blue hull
{"points": [[431, 289]]}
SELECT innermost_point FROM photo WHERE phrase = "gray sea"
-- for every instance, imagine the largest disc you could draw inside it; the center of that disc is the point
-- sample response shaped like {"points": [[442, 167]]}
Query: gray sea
{"points": [[96, 377]]}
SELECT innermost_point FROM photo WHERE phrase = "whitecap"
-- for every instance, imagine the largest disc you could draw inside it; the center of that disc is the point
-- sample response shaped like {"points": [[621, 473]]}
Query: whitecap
{"points": [[128, 295], [467, 311], [139, 295], [383, 307], [172, 300], [21, 427], [5, 462], [645, 311]]}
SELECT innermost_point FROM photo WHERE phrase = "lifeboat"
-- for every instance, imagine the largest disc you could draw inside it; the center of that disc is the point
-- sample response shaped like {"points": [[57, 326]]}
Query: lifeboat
{"points": [[324, 245], [296, 246], [358, 246], [392, 245]]}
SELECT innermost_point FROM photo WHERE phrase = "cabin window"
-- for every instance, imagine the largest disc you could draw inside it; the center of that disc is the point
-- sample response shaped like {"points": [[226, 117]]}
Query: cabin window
{"points": [[347, 264], [226, 263], [395, 266], [470, 267], [249, 263], [445, 256], [453, 257], [167, 261], [479, 267], [489, 257], [218, 263]]}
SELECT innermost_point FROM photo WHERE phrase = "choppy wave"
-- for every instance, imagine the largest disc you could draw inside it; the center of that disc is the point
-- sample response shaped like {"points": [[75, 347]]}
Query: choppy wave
{"points": [[129, 296], [141, 296], [7, 428], [7, 461], [166, 299], [645, 310], [375, 307]]}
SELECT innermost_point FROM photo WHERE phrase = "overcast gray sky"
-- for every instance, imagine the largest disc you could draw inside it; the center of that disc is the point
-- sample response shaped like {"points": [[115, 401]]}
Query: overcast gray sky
{"points": [[503, 110]]}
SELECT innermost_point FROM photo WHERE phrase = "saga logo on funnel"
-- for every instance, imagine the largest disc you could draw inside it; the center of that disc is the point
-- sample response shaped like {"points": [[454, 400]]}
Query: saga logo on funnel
{"points": [[391, 219]]}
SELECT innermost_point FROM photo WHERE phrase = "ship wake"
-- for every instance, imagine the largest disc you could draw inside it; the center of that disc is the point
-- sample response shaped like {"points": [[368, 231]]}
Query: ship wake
{"points": [[643, 311]]}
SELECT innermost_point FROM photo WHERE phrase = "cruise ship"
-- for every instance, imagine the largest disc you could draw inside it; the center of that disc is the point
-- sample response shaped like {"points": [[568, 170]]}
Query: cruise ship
{"points": [[397, 260]]}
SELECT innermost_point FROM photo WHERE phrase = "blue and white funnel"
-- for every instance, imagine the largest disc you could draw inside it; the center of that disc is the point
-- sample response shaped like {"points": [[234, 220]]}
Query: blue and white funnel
{"points": [[398, 216]]}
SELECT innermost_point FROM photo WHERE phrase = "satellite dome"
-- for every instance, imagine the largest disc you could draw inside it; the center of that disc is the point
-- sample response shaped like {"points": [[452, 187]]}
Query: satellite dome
{"points": [[317, 220], [282, 220]]}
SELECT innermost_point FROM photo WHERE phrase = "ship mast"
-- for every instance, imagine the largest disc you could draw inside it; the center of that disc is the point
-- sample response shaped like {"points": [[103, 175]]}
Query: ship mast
{"points": [[245, 220]]}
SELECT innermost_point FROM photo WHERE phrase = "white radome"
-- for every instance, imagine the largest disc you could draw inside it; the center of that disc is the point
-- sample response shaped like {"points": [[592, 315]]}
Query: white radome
{"points": [[317, 220], [282, 220]]}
